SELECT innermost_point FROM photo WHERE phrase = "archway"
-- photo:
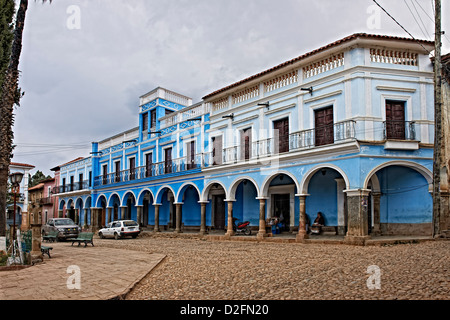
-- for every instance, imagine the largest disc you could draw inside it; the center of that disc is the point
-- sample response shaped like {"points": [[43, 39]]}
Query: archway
{"points": [[114, 207], [190, 209], [165, 199], [215, 195], [324, 187], [401, 200], [129, 211], [244, 191], [145, 201], [282, 205]]}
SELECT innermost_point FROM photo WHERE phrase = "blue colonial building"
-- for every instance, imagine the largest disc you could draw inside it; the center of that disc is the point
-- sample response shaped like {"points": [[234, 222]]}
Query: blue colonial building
{"points": [[346, 130]]}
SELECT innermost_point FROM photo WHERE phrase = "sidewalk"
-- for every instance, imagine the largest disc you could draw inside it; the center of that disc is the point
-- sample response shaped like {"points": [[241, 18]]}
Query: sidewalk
{"points": [[105, 274]]}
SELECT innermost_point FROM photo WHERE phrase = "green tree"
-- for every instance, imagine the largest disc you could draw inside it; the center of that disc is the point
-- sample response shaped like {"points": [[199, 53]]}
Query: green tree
{"points": [[36, 178], [8, 98]]}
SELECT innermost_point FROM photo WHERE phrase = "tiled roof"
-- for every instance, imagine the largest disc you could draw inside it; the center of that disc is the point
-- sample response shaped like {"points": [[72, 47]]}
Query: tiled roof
{"points": [[75, 160], [333, 44], [22, 165]]}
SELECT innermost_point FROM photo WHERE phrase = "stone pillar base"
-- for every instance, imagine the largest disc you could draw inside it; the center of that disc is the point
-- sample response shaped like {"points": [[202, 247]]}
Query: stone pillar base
{"points": [[356, 240], [262, 235], [36, 257], [301, 236]]}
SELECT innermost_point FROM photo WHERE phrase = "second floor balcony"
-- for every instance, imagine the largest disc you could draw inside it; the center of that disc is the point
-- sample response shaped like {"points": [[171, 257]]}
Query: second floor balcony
{"points": [[74, 187], [257, 152], [152, 170]]}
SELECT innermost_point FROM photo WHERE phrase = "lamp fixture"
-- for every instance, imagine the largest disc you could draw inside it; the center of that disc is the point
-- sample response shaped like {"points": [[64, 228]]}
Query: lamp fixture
{"points": [[310, 89], [195, 119], [266, 104], [154, 132], [231, 116], [16, 178], [129, 141]]}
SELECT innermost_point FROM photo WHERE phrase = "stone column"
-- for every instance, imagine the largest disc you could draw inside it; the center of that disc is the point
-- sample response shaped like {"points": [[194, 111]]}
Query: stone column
{"points": [[302, 233], [85, 226], [36, 223], [157, 229], [376, 213], [139, 214], [262, 218], [123, 212], [178, 217], [358, 225], [76, 216], [110, 215], [230, 231], [202, 218]]}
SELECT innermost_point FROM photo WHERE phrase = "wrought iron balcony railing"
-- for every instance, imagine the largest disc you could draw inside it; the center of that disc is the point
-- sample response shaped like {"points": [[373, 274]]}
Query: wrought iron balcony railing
{"points": [[399, 130], [152, 170], [305, 139], [77, 186]]}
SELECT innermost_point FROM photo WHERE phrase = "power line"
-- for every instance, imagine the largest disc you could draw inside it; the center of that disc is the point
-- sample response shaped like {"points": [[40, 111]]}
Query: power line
{"points": [[423, 24], [399, 24]]}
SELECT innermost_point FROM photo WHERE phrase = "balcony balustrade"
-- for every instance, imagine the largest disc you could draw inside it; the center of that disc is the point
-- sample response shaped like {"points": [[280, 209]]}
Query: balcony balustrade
{"points": [[297, 141], [159, 169], [77, 186], [399, 130]]}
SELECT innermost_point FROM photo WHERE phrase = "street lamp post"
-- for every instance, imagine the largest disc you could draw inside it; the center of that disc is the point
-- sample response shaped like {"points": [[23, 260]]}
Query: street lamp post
{"points": [[15, 179]]}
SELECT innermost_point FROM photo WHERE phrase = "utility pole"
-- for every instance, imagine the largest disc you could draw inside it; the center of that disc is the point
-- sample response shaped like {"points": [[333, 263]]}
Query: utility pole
{"points": [[437, 121]]}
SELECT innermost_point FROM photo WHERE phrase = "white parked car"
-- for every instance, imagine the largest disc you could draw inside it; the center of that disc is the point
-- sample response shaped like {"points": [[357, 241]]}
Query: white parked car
{"points": [[120, 229]]}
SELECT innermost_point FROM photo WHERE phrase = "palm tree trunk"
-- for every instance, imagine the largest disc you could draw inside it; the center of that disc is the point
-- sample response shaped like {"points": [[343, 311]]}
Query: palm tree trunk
{"points": [[8, 94]]}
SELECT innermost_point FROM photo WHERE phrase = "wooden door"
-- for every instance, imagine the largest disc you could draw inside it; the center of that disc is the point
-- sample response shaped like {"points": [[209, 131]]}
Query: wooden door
{"points": [[190, 155], [168, 160], [105, 174], [145, 122], [117, 167], [324, 126], [395, 120], [219, 212], [217, 150], [132, 168], [148, 164], [246, 144], [281, 134], [153, 119]]}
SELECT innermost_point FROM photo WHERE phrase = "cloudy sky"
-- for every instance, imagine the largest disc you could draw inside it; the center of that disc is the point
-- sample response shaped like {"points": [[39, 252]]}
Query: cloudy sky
{"points": [[85, 63]]}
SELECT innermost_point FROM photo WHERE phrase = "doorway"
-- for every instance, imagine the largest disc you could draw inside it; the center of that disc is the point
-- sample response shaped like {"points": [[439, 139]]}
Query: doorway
{"points": [[219, 211], [282, 209]]}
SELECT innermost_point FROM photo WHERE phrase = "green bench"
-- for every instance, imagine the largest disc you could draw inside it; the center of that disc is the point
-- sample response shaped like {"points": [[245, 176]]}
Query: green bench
{"points": [[46, 250], [84, 237], [52, 236]]}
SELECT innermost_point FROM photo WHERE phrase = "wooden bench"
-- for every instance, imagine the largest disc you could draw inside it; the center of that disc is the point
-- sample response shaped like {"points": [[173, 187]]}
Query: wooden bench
{"points": [[84, 237], [50, 237], [46, 250]]}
